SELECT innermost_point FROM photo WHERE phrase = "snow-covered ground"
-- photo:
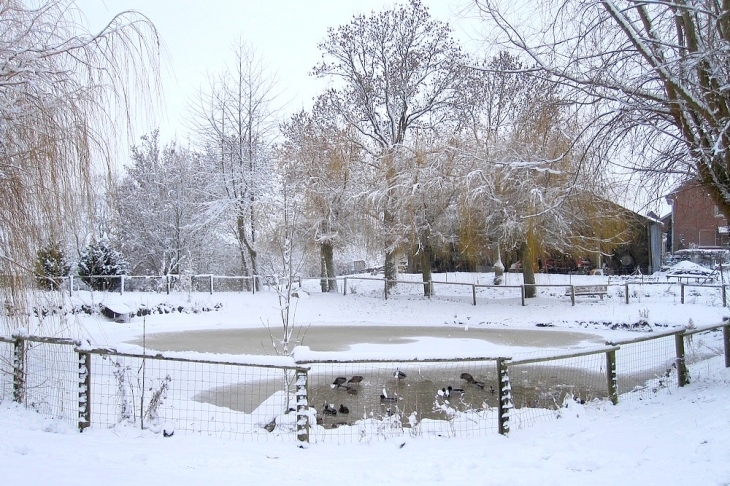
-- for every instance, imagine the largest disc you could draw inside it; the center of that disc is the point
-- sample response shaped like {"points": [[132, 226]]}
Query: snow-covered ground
{"points": [[678, 436]]}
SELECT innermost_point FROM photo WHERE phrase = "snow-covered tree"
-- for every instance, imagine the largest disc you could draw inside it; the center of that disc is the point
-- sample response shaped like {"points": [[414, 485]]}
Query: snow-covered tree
{"points": [[235, 123], [395, 74], [653, 77], [318, 155], [161, 204], [98, 262]]}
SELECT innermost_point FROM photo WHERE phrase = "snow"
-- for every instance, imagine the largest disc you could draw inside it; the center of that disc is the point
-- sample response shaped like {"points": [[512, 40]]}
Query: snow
{"points": [[676, 437]]}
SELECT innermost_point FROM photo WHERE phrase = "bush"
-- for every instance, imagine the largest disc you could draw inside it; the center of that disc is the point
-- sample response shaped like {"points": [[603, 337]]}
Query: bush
{"points": [[99, 261], [50, 267]]}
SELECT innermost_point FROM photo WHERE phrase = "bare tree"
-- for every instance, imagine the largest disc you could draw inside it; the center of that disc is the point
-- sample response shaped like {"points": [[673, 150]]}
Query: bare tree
{"points": [[653, 77], [235, 120], [60, 91], [396, 71]]}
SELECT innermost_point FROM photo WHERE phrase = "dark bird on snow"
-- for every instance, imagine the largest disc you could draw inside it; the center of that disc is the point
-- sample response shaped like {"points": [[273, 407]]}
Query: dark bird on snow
{"points": [[355, 380], [399, 375], [479, 384], [467, 377], [491, 389], [340, 380], [344, 409], [165, 433], [329, 409]]}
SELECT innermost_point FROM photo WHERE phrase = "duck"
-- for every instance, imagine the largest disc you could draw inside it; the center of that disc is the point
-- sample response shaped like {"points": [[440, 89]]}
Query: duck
{"points": [[343, 409], [339, 381], [399, 375], [467, 377], [491, 389], [355, 380], [385, 398], [329, 409]]}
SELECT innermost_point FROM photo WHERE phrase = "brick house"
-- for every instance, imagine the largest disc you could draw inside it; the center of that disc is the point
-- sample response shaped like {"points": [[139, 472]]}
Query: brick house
{"points": [[695, 221]]}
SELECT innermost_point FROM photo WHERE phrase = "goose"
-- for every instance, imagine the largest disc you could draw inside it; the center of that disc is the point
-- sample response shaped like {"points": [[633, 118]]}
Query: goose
{"points": [[399, 375], [355, 380]]}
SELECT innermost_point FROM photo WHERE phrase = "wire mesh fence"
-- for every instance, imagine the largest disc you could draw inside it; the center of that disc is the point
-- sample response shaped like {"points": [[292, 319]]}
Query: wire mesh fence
{"points": [[339, 400], [46, 379], [541, 385], [647, 365], [363, 401], [227, 400], [6, 368]]}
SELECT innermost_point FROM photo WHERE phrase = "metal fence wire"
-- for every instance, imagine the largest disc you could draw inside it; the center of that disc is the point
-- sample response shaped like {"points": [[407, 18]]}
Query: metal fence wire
{"points": [[187, 396], [338, 400], [647, 365], [540, 387], [364, 401]]}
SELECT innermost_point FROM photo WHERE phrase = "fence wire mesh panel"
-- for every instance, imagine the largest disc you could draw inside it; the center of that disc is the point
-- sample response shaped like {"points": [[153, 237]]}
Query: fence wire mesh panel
{"points": [[231, 284], [6, 370], [223, 400], [368, 401], [147, 284], [645, 367], [701, 347], [540, 390], [51, 375]]}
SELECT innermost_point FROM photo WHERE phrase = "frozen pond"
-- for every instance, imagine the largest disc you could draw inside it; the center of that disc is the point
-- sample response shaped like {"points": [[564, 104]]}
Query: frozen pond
{"points": [[341, 338]]}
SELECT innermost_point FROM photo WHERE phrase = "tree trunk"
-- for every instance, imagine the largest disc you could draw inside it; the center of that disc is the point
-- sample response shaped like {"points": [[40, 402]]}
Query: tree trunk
{"points": [[426, 257], [527, 257], [327, 274]]}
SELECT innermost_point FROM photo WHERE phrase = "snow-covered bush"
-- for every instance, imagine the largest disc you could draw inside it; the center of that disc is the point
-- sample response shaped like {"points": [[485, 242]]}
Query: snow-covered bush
{"points": [[100, 260]]}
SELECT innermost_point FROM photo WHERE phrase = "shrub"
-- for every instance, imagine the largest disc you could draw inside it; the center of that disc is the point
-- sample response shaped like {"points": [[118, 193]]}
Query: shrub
{"points": [[99, 261], [50, 267]]}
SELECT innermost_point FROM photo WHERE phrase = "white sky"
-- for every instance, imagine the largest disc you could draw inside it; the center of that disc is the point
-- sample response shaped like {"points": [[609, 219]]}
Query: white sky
{"points": [[199, 36]]}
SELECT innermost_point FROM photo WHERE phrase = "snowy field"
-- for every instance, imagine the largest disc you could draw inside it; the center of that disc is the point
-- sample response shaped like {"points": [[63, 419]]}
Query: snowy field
{"points": [[675, 436]]}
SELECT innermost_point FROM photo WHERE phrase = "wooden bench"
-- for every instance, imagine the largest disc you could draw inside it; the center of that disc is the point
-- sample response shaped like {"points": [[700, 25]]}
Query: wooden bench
{"points": [[586, 290]]}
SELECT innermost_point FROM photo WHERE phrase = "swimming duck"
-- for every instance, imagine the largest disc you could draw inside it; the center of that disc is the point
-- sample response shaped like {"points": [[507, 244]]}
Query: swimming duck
{"points": [[467, 377], [385, 398], [329, 409], [343, 409], [355, 380]]}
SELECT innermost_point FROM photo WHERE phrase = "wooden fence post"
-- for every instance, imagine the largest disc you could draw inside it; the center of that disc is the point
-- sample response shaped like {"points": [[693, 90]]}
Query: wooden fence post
{"points": [[611, 377], [19, 370], [724, 296], [726, 340], [70, 285], [522, 291], [344, 288], [385, 288], [681, 286], [84, 390], [211, 283], [627, 293], [572, 295], [504, 395], [473, 294], [681, 365], [302, 404], [121, 287]]}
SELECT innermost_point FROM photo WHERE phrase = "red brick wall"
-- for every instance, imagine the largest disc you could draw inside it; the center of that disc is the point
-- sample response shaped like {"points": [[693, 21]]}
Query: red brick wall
{"points": [[695, 220]]}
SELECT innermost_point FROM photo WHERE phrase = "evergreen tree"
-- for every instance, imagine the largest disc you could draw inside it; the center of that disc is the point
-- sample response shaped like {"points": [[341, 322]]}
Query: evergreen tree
{"points": [[99, 261]]}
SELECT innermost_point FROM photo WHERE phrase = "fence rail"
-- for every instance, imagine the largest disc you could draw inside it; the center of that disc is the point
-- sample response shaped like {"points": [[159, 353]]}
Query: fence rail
{"points": [[627, 291], [330, 399]]}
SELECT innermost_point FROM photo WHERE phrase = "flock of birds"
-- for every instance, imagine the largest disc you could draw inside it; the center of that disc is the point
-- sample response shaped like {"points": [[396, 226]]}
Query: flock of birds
{"points": [[351, 386]]}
